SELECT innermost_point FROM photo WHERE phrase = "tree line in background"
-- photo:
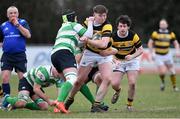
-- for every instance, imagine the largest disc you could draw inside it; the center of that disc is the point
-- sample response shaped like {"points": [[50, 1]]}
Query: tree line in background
{"points": [[44, 16]]}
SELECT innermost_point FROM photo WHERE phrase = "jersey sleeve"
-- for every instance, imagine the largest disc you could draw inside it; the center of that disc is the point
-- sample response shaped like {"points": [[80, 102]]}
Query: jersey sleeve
{"points": [[137, 41], [77, 51], [154, 35], [107, 30], [79, 29], [173, 36], [24, 23]]}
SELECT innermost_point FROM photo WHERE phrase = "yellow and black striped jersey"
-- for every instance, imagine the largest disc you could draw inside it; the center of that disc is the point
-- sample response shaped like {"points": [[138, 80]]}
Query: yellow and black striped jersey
{"points": [[126, 45], [162, 41], [104, 30]]}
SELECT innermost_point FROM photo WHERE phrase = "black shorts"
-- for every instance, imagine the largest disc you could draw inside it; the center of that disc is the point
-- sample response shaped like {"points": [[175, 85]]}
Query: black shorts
{"points": [[17, 61], [63, 59], [24, 85], [92, 74]]}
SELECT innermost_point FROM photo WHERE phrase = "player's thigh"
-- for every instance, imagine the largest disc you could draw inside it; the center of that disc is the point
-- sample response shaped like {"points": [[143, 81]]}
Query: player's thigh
{"points": [[83, 72], [106, 70]]}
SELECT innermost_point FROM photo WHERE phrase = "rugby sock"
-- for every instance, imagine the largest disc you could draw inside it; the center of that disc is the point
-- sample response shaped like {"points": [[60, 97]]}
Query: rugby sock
{"points": [[129, 102], [87, 93], [12, 100], [65, 89], [6, 88], [162, 76], [173, 80], [1, 92], [32, 106], [96, 103]]}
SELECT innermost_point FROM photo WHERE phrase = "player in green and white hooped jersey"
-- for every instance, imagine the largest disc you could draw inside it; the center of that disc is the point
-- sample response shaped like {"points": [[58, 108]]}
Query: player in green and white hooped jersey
{"points": [[30, 87], [63, 51]]}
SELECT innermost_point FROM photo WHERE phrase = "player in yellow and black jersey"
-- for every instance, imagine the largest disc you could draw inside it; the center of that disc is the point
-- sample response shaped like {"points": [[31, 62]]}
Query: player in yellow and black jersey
{"points": [[100, 31], [126, 45], [162, 40], [129, 48], [159, 44], [100, 41]]}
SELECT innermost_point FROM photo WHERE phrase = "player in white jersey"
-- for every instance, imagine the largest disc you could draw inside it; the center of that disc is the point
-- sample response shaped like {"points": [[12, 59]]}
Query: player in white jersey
{"points": [[30, 87], [62, 55]]}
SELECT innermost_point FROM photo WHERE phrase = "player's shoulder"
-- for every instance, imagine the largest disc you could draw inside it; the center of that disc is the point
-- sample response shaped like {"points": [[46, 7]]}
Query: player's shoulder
{"points": [[22, 21], [132, 33], [4, 23], [106, 23]]}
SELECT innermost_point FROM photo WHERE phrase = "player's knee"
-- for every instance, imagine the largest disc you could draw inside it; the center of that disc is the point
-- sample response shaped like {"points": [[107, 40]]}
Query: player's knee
{"points": [[78, 83], [162, 71], [71, 77], [5, 78], [97, 80], [172, 71], [20, 104], [43, 105]]}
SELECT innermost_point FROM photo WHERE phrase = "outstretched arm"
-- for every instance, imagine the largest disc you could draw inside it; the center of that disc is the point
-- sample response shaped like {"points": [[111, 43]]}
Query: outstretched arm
{"points": [[38, 91]]}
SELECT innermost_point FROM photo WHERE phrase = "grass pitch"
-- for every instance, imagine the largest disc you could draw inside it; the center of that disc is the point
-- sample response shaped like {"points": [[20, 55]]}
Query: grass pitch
{"points": [[149, 102]]}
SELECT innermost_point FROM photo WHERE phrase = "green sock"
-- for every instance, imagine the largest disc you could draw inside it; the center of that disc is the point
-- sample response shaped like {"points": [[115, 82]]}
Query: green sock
{"points": [[65, 89], [12, 100], [87, 93], [32, 106]]}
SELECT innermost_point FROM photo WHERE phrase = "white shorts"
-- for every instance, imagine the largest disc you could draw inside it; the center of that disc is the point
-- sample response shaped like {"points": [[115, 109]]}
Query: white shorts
{"points": [[124, 66], [91, 58], [163, 59]]}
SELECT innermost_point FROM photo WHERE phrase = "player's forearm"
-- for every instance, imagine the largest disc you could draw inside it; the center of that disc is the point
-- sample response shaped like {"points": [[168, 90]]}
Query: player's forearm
{"points": [[41, 95], [99, 43], [25, 32], [109, 51], [138, 52], [150, 45], [176, 45], [89, 32]]}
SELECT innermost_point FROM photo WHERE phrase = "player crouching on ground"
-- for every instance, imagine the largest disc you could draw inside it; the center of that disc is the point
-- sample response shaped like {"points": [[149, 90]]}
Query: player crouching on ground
{"points": [[30, 87]]}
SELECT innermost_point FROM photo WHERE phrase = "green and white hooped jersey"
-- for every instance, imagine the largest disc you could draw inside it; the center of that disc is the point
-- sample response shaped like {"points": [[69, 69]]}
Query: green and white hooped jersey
{"points": [[42, 75], [68, 36]]}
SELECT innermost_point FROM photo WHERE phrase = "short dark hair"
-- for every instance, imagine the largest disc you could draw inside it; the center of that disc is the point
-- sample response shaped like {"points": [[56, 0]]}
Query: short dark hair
{"points": [[68, 15], [100, 9], [124, 19]]}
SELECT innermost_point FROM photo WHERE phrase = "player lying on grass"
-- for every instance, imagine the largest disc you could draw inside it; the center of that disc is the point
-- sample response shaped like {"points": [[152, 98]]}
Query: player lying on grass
{"points": [[30, 87]]}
